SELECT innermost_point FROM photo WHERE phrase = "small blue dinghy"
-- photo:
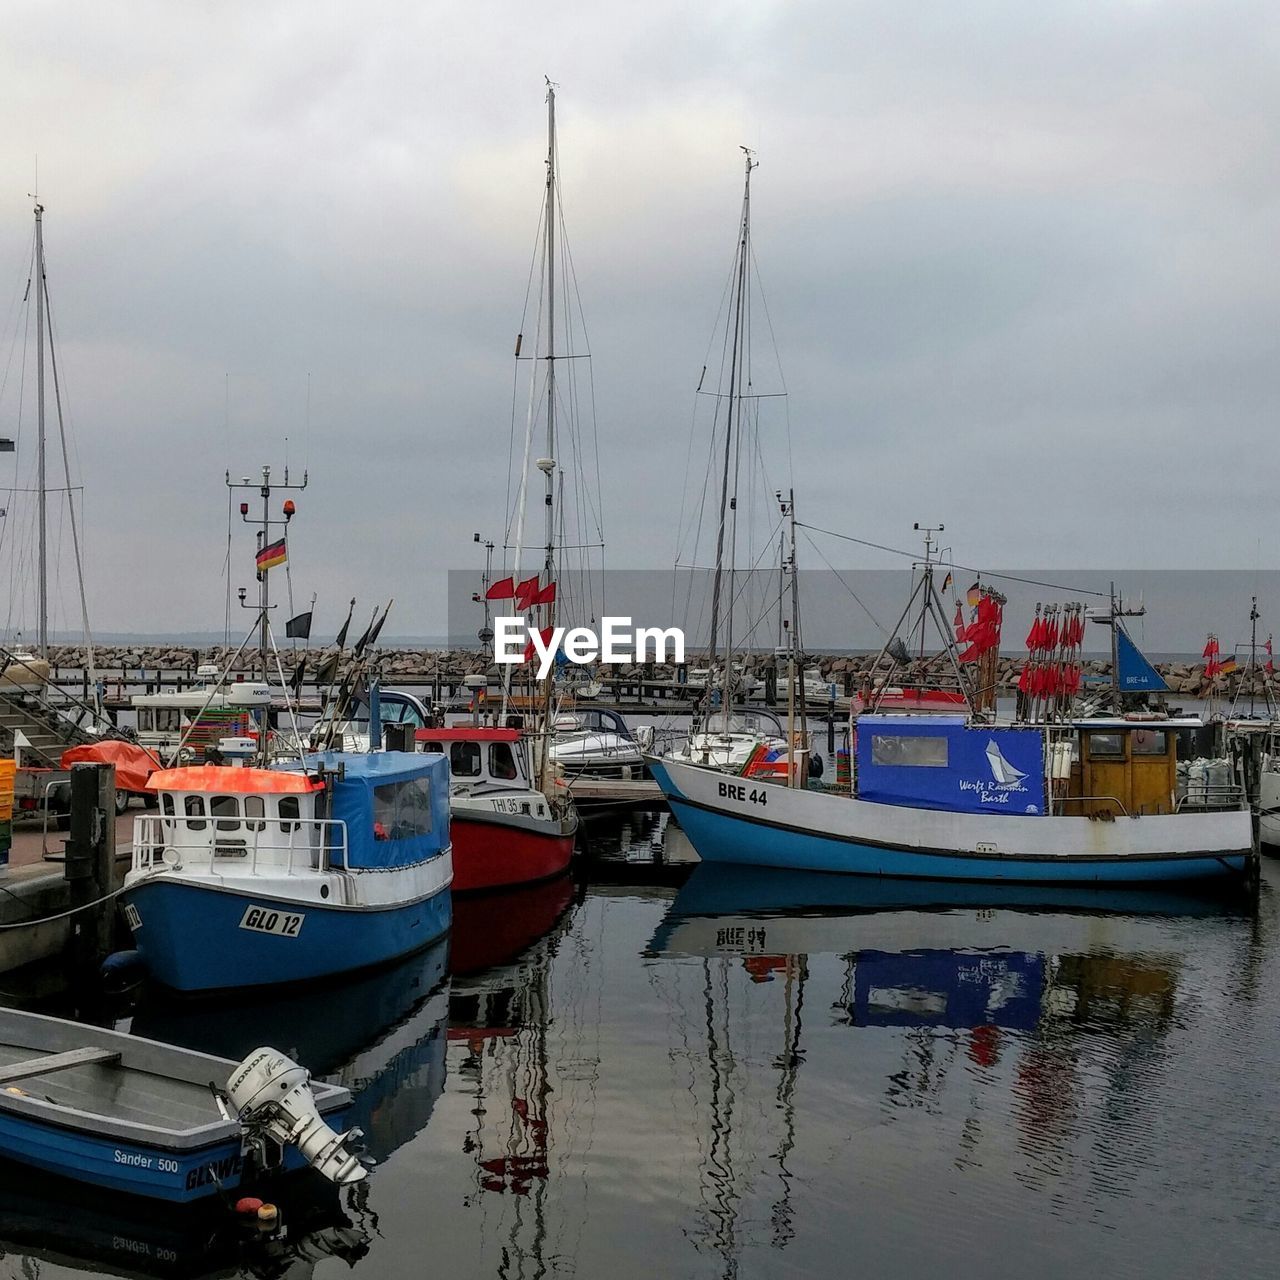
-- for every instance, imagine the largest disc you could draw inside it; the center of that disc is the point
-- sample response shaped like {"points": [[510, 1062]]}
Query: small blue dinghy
{"points": [[132, 1115]]}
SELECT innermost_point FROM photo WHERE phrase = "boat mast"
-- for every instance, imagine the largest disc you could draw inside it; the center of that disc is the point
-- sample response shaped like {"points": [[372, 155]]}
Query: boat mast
{"points": [[734, 417], [263, 540], [41, 493], [1253, 648], [788, 510], [547, 465]]}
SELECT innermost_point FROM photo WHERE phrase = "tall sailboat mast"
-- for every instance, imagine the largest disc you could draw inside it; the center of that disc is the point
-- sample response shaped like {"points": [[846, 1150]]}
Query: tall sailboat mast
{"points": [[733, 423], [547, 465], [551, 328], [41, 492]]}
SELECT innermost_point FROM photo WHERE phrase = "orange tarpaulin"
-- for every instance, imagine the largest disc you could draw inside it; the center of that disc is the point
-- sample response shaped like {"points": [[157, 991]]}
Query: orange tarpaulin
{"points": [[134, 764], [231, 778]]}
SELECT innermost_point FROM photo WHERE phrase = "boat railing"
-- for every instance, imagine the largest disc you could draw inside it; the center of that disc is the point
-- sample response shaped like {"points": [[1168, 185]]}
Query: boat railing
{"points": [[1066, 800], [310, 844], [1228, 796]]}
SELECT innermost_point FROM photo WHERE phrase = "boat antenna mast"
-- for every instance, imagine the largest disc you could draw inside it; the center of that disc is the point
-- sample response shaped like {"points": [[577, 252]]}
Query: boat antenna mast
{"points": [[924, 596], [485, 634], [1252, 671], [266, 546]]}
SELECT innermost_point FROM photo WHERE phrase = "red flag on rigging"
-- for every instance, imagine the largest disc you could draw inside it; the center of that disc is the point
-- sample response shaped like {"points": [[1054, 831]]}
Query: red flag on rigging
{"points": [[526, 591], [503, 589]]}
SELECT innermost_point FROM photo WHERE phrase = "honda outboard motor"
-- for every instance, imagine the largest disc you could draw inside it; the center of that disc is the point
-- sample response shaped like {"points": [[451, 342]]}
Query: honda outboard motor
{"points": [[272, 1098]]}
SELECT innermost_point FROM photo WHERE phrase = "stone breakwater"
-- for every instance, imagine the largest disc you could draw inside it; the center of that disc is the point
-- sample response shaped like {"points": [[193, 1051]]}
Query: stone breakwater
{"points": [[424, 665]]}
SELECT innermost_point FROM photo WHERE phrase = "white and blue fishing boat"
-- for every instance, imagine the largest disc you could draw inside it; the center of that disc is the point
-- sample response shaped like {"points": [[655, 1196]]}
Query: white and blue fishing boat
{"points": [[131, 1115], [953, 798], [250, 876]]}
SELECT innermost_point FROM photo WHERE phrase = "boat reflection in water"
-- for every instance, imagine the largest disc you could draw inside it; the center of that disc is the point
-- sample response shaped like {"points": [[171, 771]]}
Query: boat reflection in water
{"points": [[382, 1035], [499, 1021], [50, 1220], [1038, 1007]]}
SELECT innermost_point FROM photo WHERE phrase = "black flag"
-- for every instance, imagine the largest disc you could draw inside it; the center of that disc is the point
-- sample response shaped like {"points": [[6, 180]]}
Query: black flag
{"points": [[377, 630], [327, 669], [299, 674], [342, 635], [358, 648], [299, 628]]}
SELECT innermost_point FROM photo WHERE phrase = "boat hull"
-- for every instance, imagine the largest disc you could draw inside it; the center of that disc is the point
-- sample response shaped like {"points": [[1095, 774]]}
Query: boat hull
{"points": [[179, 1177], [1269, 810], [494, 850], [193, 936], [730, 820]]}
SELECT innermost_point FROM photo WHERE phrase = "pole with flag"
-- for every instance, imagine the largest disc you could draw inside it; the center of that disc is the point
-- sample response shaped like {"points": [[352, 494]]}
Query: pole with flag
{"points": [[327, 670]]}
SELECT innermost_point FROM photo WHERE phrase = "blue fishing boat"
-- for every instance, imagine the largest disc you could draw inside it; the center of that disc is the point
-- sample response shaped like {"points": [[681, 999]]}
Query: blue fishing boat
{"points": [[126, 1114], [250, 876], [946, 797]]}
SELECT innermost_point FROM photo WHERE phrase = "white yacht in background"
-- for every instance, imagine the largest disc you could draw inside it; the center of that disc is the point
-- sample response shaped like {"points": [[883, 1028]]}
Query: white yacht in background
{"points": [[593, 742], [199, 716], [728, 743]]}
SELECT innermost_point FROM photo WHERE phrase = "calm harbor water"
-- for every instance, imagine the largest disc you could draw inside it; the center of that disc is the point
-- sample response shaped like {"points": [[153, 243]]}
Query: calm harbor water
{"points": [[661, 1069]]}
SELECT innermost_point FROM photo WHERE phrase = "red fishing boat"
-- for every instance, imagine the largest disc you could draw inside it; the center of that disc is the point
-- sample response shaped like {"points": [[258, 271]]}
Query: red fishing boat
{"points": [[505, 831]]}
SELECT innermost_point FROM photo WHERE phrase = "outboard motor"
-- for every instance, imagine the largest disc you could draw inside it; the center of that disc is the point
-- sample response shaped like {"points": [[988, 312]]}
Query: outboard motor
{"points": [[272, 1099]]}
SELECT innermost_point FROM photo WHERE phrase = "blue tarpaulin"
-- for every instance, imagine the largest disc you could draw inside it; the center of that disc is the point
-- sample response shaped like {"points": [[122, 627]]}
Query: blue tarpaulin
{"points": [[942, 762], [395, 805]]}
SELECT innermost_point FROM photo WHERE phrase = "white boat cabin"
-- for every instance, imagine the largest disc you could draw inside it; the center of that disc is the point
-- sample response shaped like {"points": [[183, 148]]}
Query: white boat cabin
{"points": [[212, 816], [480, 758]]}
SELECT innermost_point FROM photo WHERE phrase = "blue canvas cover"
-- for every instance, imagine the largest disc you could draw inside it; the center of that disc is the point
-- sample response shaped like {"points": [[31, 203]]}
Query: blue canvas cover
{"points": [[395, 805], [942, 762], [1135, 673]]}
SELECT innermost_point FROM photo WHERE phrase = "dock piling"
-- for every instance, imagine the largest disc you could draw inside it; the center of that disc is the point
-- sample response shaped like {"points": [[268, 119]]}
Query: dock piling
{"points": [[90, 867]]}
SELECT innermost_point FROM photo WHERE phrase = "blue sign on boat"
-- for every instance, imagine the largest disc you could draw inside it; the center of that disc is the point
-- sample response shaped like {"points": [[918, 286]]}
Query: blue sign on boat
{"points": [[1134, 673], [942, 762]]}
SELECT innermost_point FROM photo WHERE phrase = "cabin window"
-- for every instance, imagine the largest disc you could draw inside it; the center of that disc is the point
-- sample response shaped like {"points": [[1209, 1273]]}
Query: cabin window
{"points": [[1149, 742], [502, 764], [289, 810], [255, 807], [402, 810], [464, 759], [1106, 746], [434, 746], [194, 806], [226, 809], [909, 749], [168, 719], [166, 805], [412, 716], [145, 720]]}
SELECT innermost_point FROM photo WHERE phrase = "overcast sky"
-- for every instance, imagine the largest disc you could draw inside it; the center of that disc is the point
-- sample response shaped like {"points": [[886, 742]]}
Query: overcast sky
{"points": [[1019, 262]]}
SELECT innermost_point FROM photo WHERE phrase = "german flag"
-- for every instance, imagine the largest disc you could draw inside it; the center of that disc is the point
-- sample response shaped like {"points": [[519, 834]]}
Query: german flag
{"points": [[1227, 666], [272, 554]]}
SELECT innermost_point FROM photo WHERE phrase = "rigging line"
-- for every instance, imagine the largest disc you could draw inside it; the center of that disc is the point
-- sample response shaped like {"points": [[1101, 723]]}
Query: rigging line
{"points": [[968, 568], [66, 470], [16, 312], [777, 358], [18, 455], [857, 600], [758, 395], [591, 382], [534, 263]]}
